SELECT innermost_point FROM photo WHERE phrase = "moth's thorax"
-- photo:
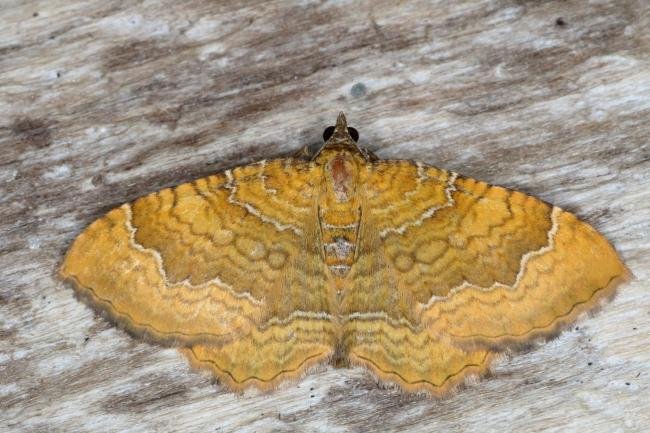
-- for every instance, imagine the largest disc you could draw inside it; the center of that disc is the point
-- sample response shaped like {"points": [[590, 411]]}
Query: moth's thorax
{"points": [[341, 173]]}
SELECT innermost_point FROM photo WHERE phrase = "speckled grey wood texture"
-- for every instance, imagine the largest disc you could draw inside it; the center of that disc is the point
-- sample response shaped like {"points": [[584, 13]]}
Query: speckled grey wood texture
{"points": [[104, 101]]}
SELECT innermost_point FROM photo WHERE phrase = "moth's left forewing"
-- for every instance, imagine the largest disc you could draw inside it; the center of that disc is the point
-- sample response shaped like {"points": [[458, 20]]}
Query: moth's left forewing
{"points": [[227, 267]]}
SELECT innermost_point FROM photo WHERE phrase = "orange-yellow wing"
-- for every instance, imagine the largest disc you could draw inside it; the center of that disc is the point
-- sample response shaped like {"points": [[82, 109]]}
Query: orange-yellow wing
{"points": [[221, 263], [414, 359], [465, 265], [264, 358]]}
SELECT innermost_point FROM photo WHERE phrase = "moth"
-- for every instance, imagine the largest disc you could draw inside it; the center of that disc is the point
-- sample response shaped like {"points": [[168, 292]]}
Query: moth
{"points": [[416, 273]]}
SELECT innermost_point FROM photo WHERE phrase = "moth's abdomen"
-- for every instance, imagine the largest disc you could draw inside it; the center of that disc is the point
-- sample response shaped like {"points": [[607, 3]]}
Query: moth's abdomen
{"points": [[339, 230]]}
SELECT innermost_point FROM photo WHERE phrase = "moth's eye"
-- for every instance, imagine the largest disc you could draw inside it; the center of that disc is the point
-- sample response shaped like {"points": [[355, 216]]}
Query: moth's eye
{"points": [[327, 134], [354, 134]]}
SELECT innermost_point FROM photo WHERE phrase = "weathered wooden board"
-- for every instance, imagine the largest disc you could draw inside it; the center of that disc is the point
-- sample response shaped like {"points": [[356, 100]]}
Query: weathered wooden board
{"points": [[104, 101]]}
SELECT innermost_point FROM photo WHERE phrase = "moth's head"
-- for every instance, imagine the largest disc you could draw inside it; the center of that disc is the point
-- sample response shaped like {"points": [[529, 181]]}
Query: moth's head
{"points": [[341, 133], [341, 138]]}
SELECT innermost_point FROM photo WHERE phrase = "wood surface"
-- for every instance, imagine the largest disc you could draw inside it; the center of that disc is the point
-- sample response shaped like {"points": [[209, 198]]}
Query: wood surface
{"points": [[102, 102]]}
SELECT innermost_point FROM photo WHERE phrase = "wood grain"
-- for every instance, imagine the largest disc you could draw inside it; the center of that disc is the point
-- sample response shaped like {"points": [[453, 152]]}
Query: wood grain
{"points": [[102, 102]]}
